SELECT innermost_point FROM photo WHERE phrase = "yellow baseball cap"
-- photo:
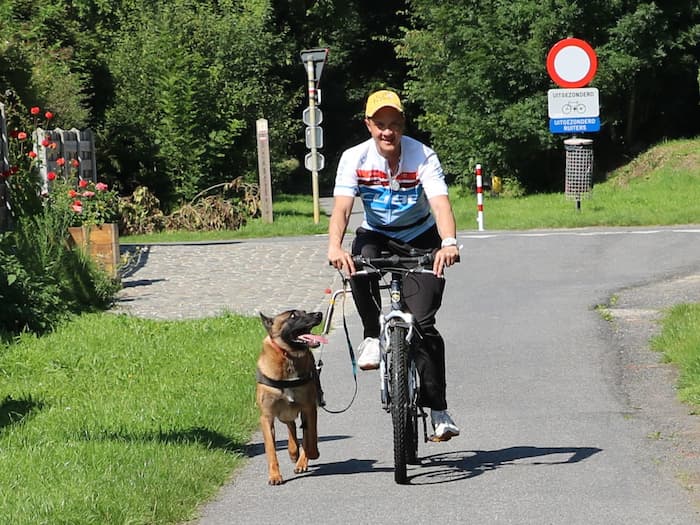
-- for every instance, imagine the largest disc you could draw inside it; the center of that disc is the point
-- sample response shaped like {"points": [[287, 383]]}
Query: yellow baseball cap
{"points": [[381, 99]]}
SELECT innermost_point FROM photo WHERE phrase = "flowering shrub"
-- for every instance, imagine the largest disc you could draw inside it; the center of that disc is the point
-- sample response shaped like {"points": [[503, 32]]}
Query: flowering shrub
{"points": [[92, 204], [43, 280]]}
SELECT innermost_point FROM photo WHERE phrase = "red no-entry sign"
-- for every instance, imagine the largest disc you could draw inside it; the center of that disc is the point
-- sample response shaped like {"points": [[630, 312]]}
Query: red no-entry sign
{"points": [[572, 63]]}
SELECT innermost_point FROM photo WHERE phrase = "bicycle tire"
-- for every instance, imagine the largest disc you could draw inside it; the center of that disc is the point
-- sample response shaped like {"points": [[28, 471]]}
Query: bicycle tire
{"points": [[412, 429], [400, 402]]}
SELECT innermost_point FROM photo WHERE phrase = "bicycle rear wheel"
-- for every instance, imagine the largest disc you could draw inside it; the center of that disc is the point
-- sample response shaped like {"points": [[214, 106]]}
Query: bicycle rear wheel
{"points": [[400, 403]]}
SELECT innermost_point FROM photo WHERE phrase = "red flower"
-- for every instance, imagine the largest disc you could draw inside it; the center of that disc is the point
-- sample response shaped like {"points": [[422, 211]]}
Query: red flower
{"points": [[53, 145], [14, 133], [6, 174], [32, 154], [101, 186], [77, 206], [72, 193], [21, 135], [14, 169], [45, 143], [35, 110], [75, 163], [51, 175], [60, 161], [83, 183], [48, 115]]}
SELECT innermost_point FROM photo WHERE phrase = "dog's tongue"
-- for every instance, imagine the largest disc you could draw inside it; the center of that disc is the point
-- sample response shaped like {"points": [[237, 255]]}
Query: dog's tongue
{"points": [[313, 340]]}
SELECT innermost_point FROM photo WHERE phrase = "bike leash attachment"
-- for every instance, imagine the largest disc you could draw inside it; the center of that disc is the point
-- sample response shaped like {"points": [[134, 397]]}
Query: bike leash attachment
{"points": [[351, 352]]}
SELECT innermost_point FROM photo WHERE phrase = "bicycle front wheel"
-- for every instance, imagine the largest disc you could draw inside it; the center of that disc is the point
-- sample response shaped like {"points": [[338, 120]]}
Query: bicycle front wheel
{"points": [[400, 402]]}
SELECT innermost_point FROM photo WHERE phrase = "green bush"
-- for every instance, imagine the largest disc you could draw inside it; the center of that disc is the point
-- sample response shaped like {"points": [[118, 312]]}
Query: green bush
{"points": [[42, 280]]}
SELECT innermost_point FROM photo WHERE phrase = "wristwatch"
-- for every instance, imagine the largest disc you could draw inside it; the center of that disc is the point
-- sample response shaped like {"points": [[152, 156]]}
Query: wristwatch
{"points": [[448, 241]]}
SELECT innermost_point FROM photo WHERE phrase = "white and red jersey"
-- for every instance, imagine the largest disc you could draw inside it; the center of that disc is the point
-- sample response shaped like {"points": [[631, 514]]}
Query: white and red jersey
{"points": [[395, 204]]}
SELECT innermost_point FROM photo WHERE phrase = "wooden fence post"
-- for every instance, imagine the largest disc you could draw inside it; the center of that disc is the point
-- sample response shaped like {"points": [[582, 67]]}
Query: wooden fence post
{"points": [[264, 174]]}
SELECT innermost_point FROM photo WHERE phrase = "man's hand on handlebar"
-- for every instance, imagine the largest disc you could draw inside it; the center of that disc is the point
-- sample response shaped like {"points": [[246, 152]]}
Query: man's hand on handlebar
{"points": [[341, 260], [444, 258]]}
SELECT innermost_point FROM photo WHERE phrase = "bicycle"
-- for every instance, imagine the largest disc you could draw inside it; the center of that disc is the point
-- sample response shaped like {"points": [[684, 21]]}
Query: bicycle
{"points": [[399, 377]]}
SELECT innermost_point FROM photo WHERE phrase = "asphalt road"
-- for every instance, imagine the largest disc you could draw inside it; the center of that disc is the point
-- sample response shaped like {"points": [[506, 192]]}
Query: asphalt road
{"points": [[566, 417]]}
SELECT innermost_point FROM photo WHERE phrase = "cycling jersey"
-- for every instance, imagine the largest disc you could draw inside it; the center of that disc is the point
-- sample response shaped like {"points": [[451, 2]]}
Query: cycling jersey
{"points": [[395, 204]]}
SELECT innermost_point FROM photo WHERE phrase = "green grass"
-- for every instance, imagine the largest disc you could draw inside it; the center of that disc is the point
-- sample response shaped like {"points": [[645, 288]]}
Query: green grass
{"points": [[113, 419], [679, 341], [660, 187]]}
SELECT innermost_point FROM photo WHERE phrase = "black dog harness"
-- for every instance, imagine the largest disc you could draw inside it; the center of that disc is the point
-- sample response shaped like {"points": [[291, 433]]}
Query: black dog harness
{"points": [[285, 383]]}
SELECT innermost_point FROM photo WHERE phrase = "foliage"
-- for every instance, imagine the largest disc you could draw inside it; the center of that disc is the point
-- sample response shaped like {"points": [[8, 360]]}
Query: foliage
{"points": [[92, 204], [43, 280], [216, 212], [237, 202], [37, 60], [186, 102], [176, 110], [140, 213], [477, 70]]}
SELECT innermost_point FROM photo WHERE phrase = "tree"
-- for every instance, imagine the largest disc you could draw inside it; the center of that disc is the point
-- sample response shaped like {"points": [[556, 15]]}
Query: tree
{"points": [[186, 101], [477, 70]]}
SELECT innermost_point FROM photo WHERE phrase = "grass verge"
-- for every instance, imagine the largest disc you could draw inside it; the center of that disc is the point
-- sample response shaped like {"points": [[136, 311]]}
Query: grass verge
{"points": [[679, 341], [113, 419], [660, 187]]}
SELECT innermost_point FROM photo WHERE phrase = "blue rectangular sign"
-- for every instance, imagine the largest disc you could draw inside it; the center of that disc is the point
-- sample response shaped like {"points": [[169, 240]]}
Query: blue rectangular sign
{"points": [[574, 125]]}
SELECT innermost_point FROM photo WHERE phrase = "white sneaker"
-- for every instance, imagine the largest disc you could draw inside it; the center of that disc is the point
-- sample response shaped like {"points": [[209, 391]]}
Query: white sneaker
{"points": [[445, 428], [369, 354]]}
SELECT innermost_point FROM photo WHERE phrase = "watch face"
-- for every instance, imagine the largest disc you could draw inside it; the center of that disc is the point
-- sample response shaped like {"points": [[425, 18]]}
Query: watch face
{"points": [[395, 185]]}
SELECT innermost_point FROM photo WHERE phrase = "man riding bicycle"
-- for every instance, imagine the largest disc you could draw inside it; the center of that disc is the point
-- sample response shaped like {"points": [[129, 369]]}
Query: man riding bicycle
{"points": [[404, 195]]}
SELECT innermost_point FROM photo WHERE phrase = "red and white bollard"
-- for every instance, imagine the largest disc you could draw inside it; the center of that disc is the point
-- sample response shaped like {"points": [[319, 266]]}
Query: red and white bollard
{"points": [[479, 198]]}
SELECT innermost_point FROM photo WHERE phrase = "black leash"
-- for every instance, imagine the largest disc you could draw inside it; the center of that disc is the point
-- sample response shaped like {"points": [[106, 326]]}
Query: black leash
{"points": [[353, 361]]}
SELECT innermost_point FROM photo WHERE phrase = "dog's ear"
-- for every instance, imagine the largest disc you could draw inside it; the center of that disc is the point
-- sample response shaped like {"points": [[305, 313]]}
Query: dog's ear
{"points": [[267, 322]]}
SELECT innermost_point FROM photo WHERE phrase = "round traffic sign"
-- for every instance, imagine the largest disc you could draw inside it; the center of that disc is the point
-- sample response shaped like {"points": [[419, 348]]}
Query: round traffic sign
{"points": [[571, 63]]}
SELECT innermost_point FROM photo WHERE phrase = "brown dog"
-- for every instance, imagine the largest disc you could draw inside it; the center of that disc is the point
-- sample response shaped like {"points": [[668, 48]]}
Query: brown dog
{"points": [[288, 386]]}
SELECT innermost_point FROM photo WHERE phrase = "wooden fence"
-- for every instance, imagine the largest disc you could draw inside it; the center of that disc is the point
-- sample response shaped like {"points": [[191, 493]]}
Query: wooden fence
{"points": [[69, 144]]}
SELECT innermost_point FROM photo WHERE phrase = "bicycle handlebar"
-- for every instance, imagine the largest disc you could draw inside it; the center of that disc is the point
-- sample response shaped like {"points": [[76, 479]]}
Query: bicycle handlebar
{"points": [[394, 261]]}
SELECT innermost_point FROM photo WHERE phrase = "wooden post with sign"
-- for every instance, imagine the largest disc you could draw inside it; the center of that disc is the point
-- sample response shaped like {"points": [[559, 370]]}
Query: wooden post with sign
{"points": [[264, 174]]}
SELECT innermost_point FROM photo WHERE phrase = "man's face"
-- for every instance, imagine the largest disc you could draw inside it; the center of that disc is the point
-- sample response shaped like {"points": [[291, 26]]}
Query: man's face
{"points": [[386, 127]]}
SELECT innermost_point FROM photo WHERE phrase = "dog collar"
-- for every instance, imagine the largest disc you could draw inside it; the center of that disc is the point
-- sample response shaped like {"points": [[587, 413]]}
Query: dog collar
{"points": [[285, 352]]}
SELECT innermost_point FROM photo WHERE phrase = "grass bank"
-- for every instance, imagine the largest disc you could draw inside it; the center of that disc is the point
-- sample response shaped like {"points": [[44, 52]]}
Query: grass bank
{"points": [[679, 342], [660, 187], [115, 420]]}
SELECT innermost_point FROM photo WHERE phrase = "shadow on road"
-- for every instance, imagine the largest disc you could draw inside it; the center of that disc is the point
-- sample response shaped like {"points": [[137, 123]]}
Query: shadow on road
{"points": [[459, 465], [256, 449]]}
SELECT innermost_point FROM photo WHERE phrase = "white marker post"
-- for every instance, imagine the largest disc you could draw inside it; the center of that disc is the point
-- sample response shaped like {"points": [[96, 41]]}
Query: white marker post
{"points": [[479, 198]]}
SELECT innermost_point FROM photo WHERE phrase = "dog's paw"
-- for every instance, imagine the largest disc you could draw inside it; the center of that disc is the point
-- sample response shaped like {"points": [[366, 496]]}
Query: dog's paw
{"points": [[302, 465], [275, 480]]}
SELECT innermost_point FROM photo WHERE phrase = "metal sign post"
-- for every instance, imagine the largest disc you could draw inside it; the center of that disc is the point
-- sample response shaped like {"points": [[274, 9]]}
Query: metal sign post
{"points": [[572, 64], [313, 60]]}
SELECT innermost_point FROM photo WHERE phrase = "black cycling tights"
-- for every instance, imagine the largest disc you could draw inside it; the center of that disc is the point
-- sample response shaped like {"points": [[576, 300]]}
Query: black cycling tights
{"points": [[422, 294]]}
